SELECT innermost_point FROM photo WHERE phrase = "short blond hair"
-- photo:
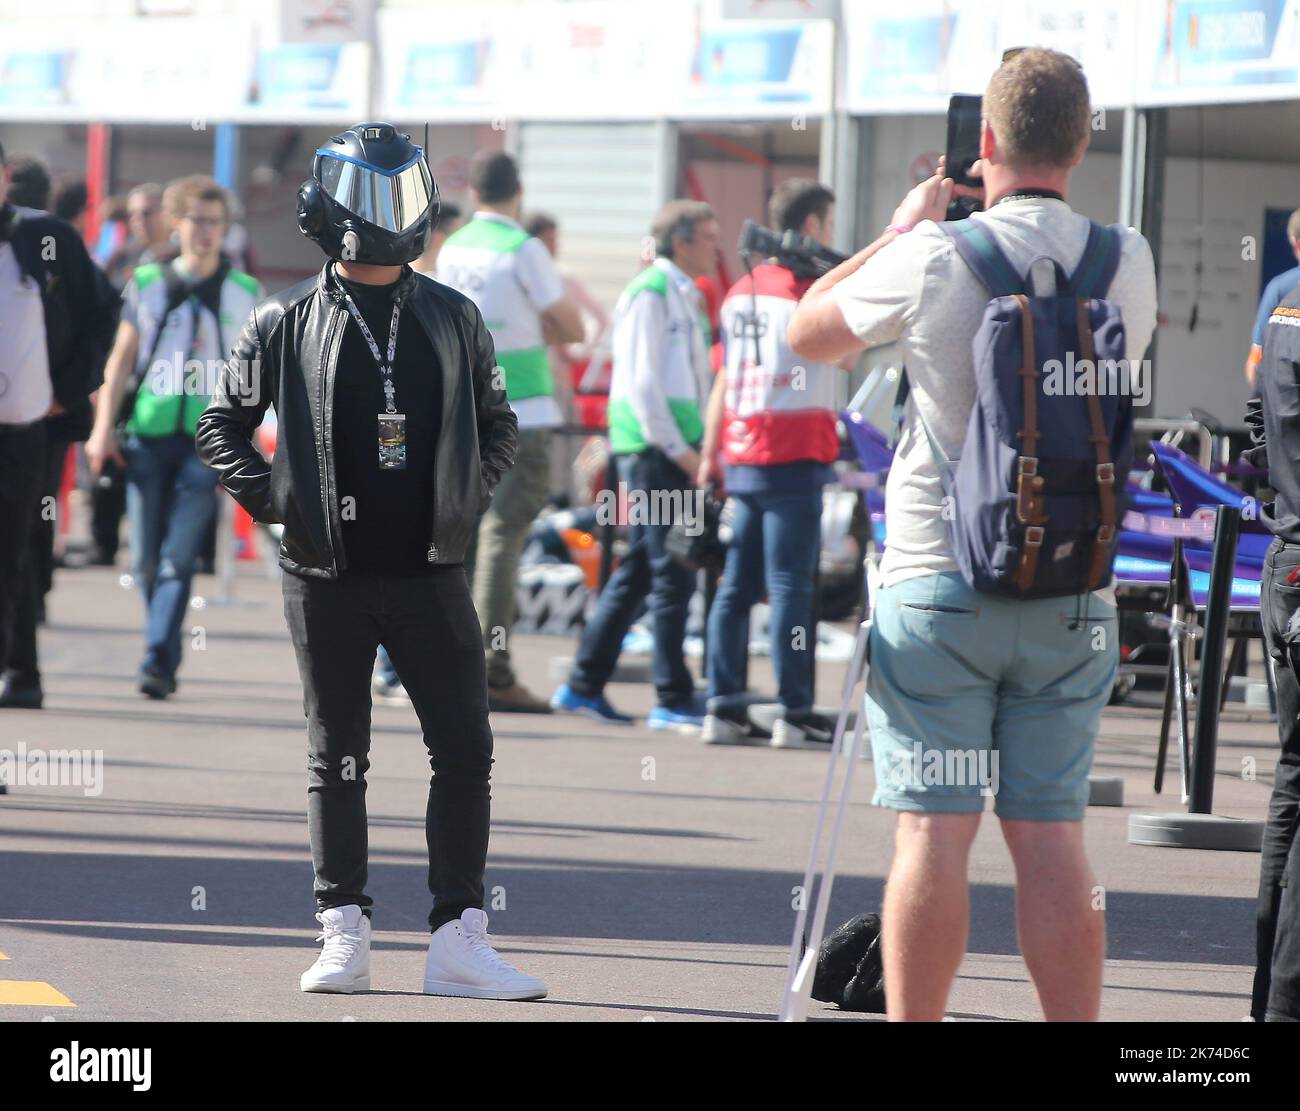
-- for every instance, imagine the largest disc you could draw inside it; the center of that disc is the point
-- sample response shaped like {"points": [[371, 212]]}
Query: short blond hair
{"points": [[1037, 105], [193, 189]]}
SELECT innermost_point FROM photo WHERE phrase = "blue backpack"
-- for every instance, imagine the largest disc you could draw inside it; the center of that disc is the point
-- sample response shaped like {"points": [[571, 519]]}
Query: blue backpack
{"points": [[1034, 501]]}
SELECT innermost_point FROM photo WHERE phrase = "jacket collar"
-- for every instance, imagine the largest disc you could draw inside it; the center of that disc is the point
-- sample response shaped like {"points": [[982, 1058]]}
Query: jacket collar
{"points": [[682, 280], [327, 283], [499, 218], [9, 217]]}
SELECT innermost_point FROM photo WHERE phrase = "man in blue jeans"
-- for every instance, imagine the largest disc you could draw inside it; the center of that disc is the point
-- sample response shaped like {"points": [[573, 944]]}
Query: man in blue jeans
{"points": [[661, 374], [772, 414], [178, 322], [1007, 693]]}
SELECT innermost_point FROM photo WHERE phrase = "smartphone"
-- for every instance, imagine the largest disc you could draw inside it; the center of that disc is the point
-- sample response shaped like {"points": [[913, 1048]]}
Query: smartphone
{"points": [[963, 150]]}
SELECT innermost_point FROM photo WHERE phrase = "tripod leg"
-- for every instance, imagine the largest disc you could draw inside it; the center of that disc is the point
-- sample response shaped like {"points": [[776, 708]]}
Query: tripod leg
{"points": [[798, 942], [1166, 714], [795, 1006], [1184, 734]]}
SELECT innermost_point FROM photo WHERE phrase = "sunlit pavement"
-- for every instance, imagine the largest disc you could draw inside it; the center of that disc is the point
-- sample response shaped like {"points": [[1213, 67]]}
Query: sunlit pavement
{"points": [[644, 875]]}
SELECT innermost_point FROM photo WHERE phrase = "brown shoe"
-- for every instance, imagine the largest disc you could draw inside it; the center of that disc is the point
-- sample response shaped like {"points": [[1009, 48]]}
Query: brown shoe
{"points": [[515, 699]]}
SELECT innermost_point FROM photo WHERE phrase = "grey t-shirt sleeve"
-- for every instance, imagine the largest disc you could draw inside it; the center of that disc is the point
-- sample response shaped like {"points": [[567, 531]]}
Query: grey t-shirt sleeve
{"points": [[1134, 290], [880, 299], [131, 305]]}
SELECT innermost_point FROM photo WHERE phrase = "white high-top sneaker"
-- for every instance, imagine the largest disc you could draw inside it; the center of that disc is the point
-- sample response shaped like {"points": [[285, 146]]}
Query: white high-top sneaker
{"points": [[462, 962], [344, 962]]}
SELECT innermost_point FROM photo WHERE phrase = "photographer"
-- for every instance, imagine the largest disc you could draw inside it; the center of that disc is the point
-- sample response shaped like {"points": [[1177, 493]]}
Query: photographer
{"points": [[955, 672], [772, 416]]}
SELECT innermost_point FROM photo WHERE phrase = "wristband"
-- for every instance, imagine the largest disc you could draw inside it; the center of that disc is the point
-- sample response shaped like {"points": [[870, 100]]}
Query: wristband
{"points": [[902, 229]]}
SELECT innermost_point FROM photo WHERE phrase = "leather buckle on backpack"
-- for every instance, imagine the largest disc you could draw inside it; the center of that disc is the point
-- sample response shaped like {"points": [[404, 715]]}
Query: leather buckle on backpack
{"points": [[1034, 536], [1105, 534], [1106, 474], [1028, 464]]}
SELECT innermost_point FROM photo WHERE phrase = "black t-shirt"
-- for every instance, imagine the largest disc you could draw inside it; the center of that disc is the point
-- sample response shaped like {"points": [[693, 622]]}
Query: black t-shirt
{"points": [[387, 514]]}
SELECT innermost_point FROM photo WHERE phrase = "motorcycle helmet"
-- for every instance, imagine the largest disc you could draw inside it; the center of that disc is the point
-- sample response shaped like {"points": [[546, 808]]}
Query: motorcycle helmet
{"points": [[371, 197]]}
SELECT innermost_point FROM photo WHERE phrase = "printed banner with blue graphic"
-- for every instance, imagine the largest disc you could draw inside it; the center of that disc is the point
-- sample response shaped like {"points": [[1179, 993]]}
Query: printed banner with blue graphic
{"points": [[1215, 50]]}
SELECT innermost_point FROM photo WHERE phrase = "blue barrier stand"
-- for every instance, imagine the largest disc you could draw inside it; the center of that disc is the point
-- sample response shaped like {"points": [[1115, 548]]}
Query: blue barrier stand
{"points": [[225, 155], [1227, 529]]}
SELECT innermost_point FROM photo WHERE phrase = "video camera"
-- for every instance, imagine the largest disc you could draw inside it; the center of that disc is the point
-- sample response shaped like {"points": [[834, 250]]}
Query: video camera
{"points": [[803, 257]]}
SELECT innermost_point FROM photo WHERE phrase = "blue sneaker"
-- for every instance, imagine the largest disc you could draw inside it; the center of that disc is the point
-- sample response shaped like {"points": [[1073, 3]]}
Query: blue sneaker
{"points": [[596, 707], [686, 720]]}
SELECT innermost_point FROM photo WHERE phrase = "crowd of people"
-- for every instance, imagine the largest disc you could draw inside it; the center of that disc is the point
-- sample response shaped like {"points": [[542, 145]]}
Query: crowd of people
{"points": [[417, 382]]}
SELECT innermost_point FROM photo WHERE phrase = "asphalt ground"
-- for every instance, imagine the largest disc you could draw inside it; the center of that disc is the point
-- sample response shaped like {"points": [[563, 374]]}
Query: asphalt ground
{"points": [[643, 875]]}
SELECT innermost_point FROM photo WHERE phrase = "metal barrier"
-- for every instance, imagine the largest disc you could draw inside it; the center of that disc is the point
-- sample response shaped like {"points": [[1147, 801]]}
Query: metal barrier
{"points": [[1199, 828], [1159, 428]]}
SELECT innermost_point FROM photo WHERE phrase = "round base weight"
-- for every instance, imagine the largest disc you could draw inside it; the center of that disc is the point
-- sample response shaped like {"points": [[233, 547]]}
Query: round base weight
{"points": [[1195, 831]]}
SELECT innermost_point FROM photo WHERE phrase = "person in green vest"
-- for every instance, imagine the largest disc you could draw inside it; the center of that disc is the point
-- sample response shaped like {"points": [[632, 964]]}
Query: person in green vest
{"points": [[178, 322], [512, 279], [662, 373]]}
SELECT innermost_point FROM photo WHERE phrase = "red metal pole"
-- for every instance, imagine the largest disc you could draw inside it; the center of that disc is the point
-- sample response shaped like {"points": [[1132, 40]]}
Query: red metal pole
{"points": [[98, 138]]}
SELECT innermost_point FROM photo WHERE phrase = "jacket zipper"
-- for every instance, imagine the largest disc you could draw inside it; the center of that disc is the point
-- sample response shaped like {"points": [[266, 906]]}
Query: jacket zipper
{"points": [[196, 323], [432, 555], [321, 452]]}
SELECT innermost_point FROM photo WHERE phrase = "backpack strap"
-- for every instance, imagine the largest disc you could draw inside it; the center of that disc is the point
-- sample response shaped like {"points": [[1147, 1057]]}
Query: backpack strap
{"points": [[1096, 269], [900, 408], [984, 257], [176, 293], [27, 251], [1029, 484], [1105, 468]]}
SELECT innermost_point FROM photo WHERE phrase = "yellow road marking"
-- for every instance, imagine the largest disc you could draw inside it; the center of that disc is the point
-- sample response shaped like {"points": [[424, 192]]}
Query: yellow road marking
{"points": [[32, 993]]}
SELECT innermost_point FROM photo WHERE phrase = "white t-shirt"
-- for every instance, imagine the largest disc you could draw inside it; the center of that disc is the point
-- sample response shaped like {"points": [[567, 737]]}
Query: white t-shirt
{"points": [[26, 392], [917, 292]]}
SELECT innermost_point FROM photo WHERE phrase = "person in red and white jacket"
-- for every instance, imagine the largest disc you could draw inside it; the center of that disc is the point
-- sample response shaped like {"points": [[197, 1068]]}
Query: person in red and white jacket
{"points": [[771, 432]]}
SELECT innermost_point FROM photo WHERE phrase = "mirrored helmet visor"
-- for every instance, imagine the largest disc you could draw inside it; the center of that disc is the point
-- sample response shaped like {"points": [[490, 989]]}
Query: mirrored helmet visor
{"points": [[389, 199]]}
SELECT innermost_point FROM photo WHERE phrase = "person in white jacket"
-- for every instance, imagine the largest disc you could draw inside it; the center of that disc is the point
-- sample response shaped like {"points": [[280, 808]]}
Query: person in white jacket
{"points": [[661, 379]]}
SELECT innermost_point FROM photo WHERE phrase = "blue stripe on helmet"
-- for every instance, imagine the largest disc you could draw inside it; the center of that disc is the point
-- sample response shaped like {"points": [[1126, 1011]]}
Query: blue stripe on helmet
{"points": [[419, 154]]}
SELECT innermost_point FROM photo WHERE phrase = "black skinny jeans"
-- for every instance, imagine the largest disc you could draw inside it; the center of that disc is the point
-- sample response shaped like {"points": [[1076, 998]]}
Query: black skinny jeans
{"points": [[1276, 997], [22, 462], [22, 664], [431, 631]]}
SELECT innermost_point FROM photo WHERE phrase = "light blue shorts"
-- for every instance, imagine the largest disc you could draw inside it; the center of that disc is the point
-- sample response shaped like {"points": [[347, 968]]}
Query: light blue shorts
{"points": [[971, 695]]}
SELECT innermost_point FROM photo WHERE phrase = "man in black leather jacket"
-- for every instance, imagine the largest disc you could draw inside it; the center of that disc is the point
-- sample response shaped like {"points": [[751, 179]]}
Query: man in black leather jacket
{"points": [[287, 357], [393, 431]]}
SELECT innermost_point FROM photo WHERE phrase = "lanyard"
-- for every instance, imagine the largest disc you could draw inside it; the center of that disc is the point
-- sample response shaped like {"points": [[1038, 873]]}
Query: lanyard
{"points": [[385, 368], [1027, 194]]}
